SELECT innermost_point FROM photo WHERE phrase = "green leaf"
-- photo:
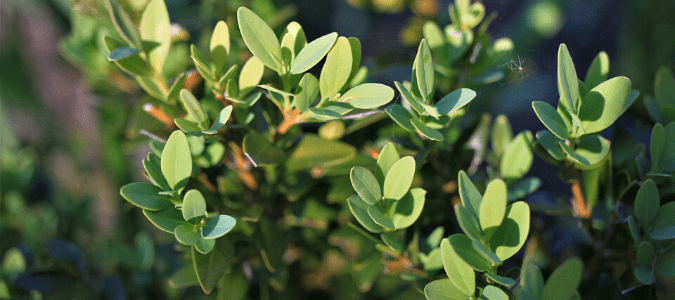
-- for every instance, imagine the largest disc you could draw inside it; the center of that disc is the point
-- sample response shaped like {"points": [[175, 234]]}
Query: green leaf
{"points": [[222, 118], [512, 233], [324, 114], [153, 167], [194, 205], [311, 54], [501, 135], [551, 119], [184, 277], [218, 226], [468, 193], [175, 88], [220, 44], [414, 101], [455, 100], [204, 246], [644, 274], [444, 289], [492, 207], [564, 281], [210, 267], [461, 274], [568, 83], [657, 145], [401, 116], [468, 222], [145, 195], [380, 218], [122, 53], [598, 71], [462, 245], [167, 219], [259, 38], [647, 203], [366, 185], [201, 64], [424, 71], [359, 209], [399, 178], [426, 130], [188, 127], [336, 69], [194, 108], [305, 155], [385, 160], [13, 264], [123, 24], [368, 95], [664, 87], [665, 266], [522, 188], [531, 279], [551, 144], [150, 86], [484, 252], [133, 64], [250, 75], [634, 94], [436, 39], [176, 161], [645, 253], [665, 216], [187, 234], [260, 151], [604, 104], [634, 229], [591, 151], [663, 233], [407, 210], [491, 292], [306, 92], [355, 46], [155, 29], [517, 158]]}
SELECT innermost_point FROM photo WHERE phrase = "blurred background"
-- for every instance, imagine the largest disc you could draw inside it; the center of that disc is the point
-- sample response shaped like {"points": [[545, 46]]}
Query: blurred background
{"points": [[69, 120]]}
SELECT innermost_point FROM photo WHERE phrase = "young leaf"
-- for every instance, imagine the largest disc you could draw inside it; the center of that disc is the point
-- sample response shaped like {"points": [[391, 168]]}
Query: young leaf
{"points": [[153, 167], [406, 211], [436, 39], [166, 220], [414, 101], [306, 92], [604, 104], [186, 234], [204, 246], [512, 233], [647, 203], [598, 71], [259, 38], [210, 267], [385, 160], [492, 207], [222, 118], [501, 135], [311, 54], [366, 185], [126, 58], [155, 29], [218, 226], [194, 108], [486, 253], [220, 44], [336, 69], [460, 273], [455, 100], [468, 193], [176, 161], [551, 119], [398, 179], [517, 159], [250, 75], [444, 289], [380, 218], [359, 209], [145, 195], [368, 95], [401, 116], [492, 292], [568, 82], [194, 205], [564, 281], [424, 71]]}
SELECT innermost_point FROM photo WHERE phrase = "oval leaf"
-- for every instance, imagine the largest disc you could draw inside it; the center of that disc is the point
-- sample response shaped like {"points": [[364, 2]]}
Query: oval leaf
{"points": [[424, 71], [259, 38], [401, 116], [406, 211], [512, 233], [568, 82], [564, 281], [167, 219], [145, 195], [604, 104], [399, 178], [176, 161], [186, 234], [492, 207], [312, 53], [155, 29], [250, 75], [380, 218], [462, 246], [211, 267], [218, 226], [460, 273], [444, 289], [647, 203], [368, 95], [194, 205], [336, 69], [491, 292], [517, 158], [220, 44], [359, 209], [598, 71], [551, 119], [455, 100], [366, 185], [468, 193], [663, 233], [385, 160]]}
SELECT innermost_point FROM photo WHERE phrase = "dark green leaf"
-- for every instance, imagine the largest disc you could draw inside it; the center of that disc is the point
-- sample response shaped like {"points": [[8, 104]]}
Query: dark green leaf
{"points": [[183, 277], [401, 116], [188, 127], [145, 195], [647, 203], [201, 64], [664, 87], [462, 246], [644, 274], [468, 193], [531, 279], [663, 233], [665, 216], [123, 24], [167, 219], [366, 185], [380, 218], [564, 281], [568, 85], [259, 38], [645, 253], [210, 267], [260, 151], [306, 92], [522, 188], [486, 253], [187, 234], [665, 266], [414, 102], [305, 155], [468, 222], [153, 167], [122, 53], [591, 151], [359, 209], [133, 64], [426, 130]]}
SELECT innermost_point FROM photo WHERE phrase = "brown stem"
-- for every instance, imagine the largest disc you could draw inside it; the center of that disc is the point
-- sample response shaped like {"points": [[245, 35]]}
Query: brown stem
{"points": [[578, 202], [243, 169], [158, 114]]}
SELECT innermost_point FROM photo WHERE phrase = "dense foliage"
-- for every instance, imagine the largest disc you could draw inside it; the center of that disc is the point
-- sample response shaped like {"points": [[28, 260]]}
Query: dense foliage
{"points": [[277, 170]]}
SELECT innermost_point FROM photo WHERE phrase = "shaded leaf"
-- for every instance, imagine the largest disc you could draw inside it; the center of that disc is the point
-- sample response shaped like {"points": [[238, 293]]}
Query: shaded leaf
{"points": [[359, 209], [167, 219], [366, 185], [604, 104], [454, 100], [218, 226], [564, 281], [194, 205], [401, 116], [250, 75], [155, 28], [306, 92], [260, 151], [551, 119], [517, 158], [568, 85], [468, 193], [513, 231], [492, 292], [210, 267], [647, 203], [187, 234], [399, 178], [460, 273], [406, 211], [444, 289], [220, 44], [145, 195], [598, 71]]}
